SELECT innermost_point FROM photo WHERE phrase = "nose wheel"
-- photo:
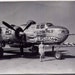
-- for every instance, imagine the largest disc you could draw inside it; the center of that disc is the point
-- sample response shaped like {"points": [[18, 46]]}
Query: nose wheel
{"points": [[58, 55]]}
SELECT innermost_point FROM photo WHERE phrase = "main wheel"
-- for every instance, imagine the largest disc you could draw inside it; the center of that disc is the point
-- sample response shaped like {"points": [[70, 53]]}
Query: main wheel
{"points": [[58, 55], [34, 49], [1, 52]]}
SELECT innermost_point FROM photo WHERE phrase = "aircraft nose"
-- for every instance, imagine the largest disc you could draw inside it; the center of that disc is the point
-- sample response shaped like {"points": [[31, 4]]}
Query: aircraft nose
{"points": [[65, 31]]}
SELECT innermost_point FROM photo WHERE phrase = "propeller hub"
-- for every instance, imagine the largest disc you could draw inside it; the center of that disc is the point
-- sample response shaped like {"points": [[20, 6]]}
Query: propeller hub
{"points": [[21, 33]]}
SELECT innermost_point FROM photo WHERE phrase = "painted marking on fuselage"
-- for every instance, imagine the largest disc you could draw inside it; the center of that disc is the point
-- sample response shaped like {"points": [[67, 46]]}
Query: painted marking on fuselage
{"points": [[53, 34], [8, 31]]}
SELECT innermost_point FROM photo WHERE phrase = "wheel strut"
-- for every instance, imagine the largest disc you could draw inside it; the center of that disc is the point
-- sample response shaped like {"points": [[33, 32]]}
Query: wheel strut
{"points": [[52, 48], [56, 54], [1, 52], [21, 51]]}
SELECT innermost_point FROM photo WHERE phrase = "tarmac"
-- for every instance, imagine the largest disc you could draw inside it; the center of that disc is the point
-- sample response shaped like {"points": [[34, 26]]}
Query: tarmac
{"points": [[12, 63]]}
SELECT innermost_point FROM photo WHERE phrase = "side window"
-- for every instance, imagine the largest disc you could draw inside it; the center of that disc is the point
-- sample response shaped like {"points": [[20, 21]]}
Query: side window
{"points": [[42, 26], [49, 24]]}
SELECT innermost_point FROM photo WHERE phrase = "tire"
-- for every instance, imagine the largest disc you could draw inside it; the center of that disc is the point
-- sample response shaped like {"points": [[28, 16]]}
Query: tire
{"points": [[1, 52], [34, 49], [58, 55]]}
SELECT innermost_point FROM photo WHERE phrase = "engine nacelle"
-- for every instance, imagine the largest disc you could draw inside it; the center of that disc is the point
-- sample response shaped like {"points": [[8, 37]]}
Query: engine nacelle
{"points": [[10, 36]]}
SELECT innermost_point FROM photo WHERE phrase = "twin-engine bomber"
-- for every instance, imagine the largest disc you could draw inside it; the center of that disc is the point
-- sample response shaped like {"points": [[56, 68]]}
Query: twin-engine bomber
{"points": [[31, 35]]}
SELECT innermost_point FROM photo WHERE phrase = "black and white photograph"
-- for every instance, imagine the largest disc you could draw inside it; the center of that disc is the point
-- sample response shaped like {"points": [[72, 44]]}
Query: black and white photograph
{"points": [[37, 37]]}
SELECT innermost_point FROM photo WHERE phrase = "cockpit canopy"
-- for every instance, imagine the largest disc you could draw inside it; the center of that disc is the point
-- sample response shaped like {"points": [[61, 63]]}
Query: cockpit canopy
{"points": [[44, 25], [49, 24]]}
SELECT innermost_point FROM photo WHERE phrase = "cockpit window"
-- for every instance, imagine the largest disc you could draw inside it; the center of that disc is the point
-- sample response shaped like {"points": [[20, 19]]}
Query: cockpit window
{"points": [[40, 26], [49, 24], [63, 31]]}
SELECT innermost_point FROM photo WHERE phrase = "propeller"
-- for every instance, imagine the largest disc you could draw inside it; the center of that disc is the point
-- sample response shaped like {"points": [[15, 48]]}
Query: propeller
{"points": [[7, 25], [29, 23], [19, 32]]}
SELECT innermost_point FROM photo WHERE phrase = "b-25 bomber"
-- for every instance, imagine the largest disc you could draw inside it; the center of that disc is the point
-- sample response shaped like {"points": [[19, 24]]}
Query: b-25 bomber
{"points": [[31, 35]]}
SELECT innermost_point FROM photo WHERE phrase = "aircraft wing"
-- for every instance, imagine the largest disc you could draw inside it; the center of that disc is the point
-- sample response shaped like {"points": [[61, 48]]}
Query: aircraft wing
{"points": [[66, 44]]}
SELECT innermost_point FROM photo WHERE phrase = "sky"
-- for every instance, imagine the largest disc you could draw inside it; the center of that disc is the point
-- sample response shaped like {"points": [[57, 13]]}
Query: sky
{"points": [[60, 13]]}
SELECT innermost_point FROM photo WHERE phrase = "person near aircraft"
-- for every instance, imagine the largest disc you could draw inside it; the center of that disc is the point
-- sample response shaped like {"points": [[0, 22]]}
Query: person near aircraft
{"points": [[22, 37], [41, 51]]}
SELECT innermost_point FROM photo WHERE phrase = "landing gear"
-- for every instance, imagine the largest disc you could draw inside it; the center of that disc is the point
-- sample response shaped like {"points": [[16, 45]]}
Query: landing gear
{"points": [[34, 49], [56, 54], [52, 48], [1, 52], [21, 51]]}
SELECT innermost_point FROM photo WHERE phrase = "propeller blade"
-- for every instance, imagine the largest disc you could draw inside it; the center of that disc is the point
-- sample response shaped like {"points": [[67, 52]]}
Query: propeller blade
{"points": [[29, 23], [7, 25]]}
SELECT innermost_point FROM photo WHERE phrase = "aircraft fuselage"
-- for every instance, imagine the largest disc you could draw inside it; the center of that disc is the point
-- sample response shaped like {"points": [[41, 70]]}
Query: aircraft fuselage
{"points": [[35, 34]]}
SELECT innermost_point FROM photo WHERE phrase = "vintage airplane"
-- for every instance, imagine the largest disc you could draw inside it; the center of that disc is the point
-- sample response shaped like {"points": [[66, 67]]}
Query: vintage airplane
{"points": [[31, 34]]}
